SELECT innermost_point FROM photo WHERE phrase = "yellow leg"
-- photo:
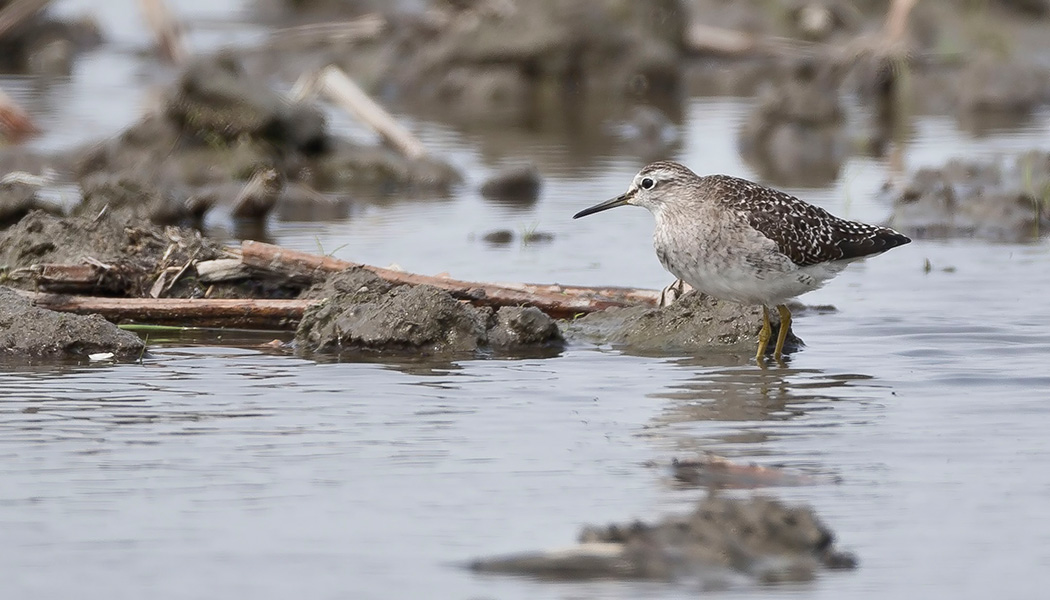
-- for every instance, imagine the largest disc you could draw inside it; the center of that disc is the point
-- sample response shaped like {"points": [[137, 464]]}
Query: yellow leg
{"points": [[785, 327], [764, 335]]}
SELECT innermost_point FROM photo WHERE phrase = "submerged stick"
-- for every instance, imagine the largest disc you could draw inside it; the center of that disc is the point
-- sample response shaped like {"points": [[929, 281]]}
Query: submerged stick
{"points": [[557, 301]]}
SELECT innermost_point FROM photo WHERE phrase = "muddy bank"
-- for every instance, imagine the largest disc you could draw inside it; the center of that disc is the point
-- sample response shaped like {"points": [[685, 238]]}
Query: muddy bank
{"points": [[342, 307], [695, 322], [1002, 199], [31, 333], [721, 540]]}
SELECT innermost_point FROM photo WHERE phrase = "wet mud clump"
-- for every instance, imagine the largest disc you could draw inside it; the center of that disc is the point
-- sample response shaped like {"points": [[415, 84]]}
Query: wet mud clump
{"points": [[361, 312], [218, 131], [1005, 199], [720, 540], [29, 332], [695, 322]]}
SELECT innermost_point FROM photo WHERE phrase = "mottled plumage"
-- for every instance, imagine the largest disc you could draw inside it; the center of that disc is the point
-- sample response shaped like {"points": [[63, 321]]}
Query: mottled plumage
{"points": [[804, 233], [737, 240]]}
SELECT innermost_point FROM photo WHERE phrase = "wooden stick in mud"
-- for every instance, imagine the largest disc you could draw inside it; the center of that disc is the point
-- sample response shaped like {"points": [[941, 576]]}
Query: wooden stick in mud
{"points": [[340, 89], [166, 29], [17, 12], [557, 301], [15, 123], [201, 312]]}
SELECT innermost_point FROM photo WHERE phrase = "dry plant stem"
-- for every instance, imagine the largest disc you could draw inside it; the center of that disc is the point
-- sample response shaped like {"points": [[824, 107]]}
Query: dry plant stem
{"points": [[18, 11], [224, 312], [166, 29], [558, 304], [340, 89]]}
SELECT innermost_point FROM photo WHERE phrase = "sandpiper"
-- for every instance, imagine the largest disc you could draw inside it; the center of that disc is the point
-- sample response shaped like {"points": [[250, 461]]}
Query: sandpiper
{"points": [[740, 241]]}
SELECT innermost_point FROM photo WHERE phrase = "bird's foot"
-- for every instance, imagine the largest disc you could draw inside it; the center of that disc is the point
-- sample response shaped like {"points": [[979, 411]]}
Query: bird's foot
{"points": [[670, 294]]}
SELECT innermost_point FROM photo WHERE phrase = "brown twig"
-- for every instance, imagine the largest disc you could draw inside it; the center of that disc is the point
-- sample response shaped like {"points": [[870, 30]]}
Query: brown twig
{"points": [[557, 301]]}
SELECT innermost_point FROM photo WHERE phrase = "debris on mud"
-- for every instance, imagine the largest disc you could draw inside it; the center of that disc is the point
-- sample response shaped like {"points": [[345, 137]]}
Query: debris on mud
{"points": [[723, 539], [114, 255], [30, 332], [693, 323], [1003, 199]]}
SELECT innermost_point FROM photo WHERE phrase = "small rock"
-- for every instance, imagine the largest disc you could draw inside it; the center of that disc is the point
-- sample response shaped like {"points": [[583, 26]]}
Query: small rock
{"points": [[523, 326], [514, 185], [500, 237], [30, 331]]}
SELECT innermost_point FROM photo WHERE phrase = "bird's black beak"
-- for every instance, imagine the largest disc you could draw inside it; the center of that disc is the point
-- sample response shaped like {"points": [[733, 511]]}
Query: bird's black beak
{"points": [[617, 201]]}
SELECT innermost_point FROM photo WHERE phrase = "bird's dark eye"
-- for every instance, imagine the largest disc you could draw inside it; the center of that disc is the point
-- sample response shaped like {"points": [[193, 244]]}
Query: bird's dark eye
{"points": [[647, 183]]}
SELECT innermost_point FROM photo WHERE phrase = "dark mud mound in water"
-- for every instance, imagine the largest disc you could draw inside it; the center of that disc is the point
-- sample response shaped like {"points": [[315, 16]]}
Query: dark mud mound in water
{"points": [[1003, 199], [361, 312], [694, 322], [722, 539], [28, 332]]}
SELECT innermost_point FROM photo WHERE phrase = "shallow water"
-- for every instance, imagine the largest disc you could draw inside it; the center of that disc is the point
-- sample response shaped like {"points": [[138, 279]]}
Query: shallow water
{"points": [[223, 470]]}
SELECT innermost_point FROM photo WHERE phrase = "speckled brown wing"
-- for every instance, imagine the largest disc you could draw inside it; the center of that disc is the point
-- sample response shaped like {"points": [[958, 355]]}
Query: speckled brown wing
{"points": [[806, 234]]}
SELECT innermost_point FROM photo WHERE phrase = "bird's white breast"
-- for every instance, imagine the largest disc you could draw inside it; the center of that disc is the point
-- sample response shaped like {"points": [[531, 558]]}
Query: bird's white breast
{"points": [[742, 266]]}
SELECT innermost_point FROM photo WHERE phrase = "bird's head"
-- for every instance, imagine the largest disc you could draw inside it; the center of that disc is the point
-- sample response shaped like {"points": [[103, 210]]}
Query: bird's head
{"points": [[652, 188]]}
